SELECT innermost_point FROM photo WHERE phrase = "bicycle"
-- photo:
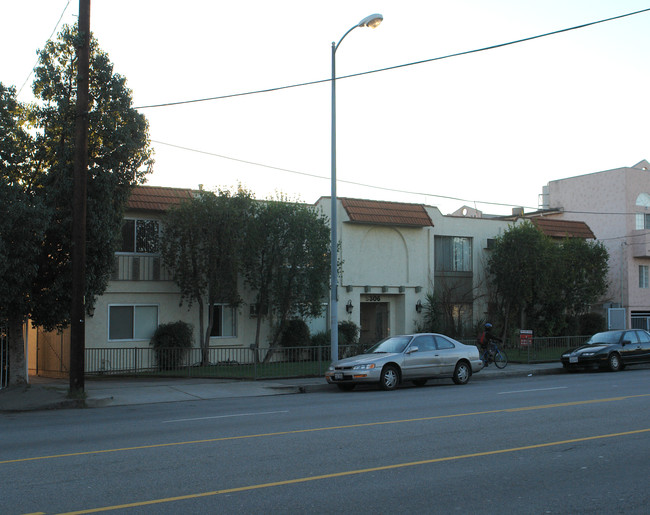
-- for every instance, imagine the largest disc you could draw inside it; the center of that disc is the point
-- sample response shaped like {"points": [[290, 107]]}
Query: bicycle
{"points": [[495, 355]]}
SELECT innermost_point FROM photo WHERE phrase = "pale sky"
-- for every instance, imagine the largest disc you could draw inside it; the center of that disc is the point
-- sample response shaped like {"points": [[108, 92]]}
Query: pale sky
{"points": [[491, 126]]}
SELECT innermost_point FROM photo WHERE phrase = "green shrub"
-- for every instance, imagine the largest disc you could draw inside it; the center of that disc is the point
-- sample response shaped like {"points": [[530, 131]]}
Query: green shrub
{"points": [[591, 323], [171, 342], [295, 334]]}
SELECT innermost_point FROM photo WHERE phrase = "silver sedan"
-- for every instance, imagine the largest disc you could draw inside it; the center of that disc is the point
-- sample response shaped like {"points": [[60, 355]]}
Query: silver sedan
{"points": [[412, 357]]}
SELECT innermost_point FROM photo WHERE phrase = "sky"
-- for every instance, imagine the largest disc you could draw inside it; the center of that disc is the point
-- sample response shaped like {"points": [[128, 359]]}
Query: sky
{"points": [[486, 129]]}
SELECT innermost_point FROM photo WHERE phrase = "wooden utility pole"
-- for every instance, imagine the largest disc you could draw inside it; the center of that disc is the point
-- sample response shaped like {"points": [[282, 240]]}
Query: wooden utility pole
{"points": [[78, 306]]}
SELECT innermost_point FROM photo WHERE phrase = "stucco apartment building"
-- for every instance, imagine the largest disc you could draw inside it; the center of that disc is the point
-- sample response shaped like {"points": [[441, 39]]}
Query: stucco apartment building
{"points": [[393, 255], [615, 204]]}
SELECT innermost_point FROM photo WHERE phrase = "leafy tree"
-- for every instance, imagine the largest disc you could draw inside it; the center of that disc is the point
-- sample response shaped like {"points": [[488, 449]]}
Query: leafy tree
{"points": [[22, 223], [118, 159], [545, 282], [287, 263], [202, 247]]}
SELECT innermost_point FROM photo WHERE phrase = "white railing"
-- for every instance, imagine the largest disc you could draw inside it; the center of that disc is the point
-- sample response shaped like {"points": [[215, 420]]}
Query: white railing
{"points": [[135, 267]]}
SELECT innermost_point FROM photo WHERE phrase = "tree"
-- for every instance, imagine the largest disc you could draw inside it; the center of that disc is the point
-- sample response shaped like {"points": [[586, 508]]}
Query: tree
{"points": [[202, 245], [119, 157], [544, 281], [22, 223], [286, 263]]}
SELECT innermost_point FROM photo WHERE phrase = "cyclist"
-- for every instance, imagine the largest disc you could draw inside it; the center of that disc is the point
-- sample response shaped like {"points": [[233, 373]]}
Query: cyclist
{"points": [[483, 341]]}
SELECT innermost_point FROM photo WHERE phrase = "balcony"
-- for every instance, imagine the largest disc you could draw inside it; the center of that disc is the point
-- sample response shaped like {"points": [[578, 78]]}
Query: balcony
{"points": [[137, 267], [640, 244]]}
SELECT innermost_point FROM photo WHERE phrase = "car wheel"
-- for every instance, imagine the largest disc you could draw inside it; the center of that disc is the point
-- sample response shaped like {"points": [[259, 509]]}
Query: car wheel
{"points": [[614, 362], [420, 382], [389, 378], [462, 373], [346, 387]]}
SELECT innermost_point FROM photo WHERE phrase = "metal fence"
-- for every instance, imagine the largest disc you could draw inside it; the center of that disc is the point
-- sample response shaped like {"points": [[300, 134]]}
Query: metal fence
{"points": [[216, 362], [250, 363]]}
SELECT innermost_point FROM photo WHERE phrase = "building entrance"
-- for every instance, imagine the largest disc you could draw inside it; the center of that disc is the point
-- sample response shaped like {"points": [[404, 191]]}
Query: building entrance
{"points": [[374, 322]]}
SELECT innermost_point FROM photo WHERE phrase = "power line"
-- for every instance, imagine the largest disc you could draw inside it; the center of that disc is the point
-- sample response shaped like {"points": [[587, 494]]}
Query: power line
{"points": [[315, 176], [48, 39], [457, 54]]}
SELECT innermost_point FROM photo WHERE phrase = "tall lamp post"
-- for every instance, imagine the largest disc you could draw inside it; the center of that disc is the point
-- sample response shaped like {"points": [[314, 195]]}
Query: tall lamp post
{"points": [[371, 21]]}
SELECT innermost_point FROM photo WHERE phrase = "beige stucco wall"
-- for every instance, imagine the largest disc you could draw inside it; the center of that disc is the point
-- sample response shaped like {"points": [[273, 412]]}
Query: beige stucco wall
{"points": [[606, 201]]}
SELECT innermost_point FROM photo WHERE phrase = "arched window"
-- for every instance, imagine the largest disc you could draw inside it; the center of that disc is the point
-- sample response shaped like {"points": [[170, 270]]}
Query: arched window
{"points": [[643, 200]]}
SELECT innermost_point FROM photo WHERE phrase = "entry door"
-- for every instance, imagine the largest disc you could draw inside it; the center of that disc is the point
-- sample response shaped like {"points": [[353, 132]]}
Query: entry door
{"points": [[374, 322]]}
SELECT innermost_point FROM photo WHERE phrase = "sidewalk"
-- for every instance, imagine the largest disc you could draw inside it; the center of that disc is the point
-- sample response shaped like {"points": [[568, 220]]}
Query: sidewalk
{"points": [[44, 393]]}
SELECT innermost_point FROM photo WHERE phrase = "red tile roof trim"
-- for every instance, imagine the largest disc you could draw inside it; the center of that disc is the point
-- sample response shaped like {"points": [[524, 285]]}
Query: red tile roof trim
{"points": [[563, 228], [386, 213], [156, 198]]}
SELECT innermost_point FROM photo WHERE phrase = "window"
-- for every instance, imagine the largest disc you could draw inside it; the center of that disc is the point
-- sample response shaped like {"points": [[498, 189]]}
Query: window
{"points": [[453, 254], [141, 236], [132, 322], [225, 321], [424, 343], [443, 343], [642, 221], [644, 279]]}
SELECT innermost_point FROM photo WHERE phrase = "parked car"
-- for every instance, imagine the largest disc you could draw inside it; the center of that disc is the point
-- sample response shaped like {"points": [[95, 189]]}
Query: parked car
{"points": [[611, 350], [410, 357]]}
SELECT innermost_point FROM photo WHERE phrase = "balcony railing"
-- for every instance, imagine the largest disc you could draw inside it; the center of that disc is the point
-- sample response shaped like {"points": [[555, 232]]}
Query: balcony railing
{"points": [[135, 267]]}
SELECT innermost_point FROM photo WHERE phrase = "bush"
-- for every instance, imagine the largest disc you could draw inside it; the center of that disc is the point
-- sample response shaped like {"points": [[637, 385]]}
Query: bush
{"points": [[591, 323], [171, 342], [296, 334]]}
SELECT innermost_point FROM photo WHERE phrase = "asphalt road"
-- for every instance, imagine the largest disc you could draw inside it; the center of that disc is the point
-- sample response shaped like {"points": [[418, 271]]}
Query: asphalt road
{"points": [[570, 443]]}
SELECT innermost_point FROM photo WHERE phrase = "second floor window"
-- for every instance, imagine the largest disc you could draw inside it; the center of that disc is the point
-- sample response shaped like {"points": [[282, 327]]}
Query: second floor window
{"points": [[140, 236], [644, 280], [453, 254]]}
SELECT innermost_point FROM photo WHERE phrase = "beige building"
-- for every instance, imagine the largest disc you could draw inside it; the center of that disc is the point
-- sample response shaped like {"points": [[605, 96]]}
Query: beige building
{"points": [[615, 204], [393, 255]]}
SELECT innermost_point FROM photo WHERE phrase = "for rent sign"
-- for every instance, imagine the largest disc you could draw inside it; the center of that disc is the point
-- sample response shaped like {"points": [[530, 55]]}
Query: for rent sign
{"points": [[525, 337]]}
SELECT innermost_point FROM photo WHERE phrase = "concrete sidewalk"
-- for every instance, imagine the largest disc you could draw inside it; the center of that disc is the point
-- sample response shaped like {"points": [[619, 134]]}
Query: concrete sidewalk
{"points": [[44, 393]]}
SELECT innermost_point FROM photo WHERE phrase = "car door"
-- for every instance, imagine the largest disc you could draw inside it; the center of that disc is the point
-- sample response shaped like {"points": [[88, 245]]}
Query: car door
{"points": [[446, 356], [630, 352], [643, 354], [420, 363]]}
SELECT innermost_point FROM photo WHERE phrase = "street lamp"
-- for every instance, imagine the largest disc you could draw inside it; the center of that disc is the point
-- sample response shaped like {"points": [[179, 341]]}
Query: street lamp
{"points": [[371, 21]]}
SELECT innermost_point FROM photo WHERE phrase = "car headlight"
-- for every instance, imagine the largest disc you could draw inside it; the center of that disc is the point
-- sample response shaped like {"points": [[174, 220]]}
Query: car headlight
{"points": [[331, 368], [588, 353], [366, 366]]}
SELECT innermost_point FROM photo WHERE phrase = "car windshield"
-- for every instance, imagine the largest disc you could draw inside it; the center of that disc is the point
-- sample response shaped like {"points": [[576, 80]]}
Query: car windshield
{"points": [[608, 337], [392, 344]]}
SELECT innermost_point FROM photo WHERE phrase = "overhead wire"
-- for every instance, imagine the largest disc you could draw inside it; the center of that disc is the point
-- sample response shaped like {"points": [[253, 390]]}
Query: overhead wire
{"points": [[457, 54], [395, 67], [48, 39]]}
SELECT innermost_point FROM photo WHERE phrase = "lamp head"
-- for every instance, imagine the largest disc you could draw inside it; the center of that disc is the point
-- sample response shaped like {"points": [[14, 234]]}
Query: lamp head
{"points": [[371, 21]]}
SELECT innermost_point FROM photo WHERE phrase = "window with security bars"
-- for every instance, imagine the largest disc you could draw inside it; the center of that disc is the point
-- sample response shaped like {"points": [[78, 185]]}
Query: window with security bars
{"points": [[140, 236]]}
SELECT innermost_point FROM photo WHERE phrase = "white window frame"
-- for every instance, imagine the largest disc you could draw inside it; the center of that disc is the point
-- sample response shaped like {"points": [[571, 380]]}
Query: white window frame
{"points": [[644, 276], [135, 236], [233, 324], [136, 335]]}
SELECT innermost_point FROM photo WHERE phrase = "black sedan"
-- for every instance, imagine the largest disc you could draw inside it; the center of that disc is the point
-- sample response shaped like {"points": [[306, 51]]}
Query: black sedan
{"points": [[611, 350]]}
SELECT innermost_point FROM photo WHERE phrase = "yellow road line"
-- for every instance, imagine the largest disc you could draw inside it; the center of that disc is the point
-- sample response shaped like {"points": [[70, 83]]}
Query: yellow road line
{"points": [[351, 472], [331, 428]]}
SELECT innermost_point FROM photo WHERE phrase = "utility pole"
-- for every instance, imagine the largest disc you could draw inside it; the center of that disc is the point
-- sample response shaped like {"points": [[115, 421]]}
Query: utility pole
{"points": [[78, 306]]}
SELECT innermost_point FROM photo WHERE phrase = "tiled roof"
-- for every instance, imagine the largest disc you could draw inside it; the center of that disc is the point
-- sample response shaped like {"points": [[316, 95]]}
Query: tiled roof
{"points": [[156, 198], [563, 228], [386, 213]]}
